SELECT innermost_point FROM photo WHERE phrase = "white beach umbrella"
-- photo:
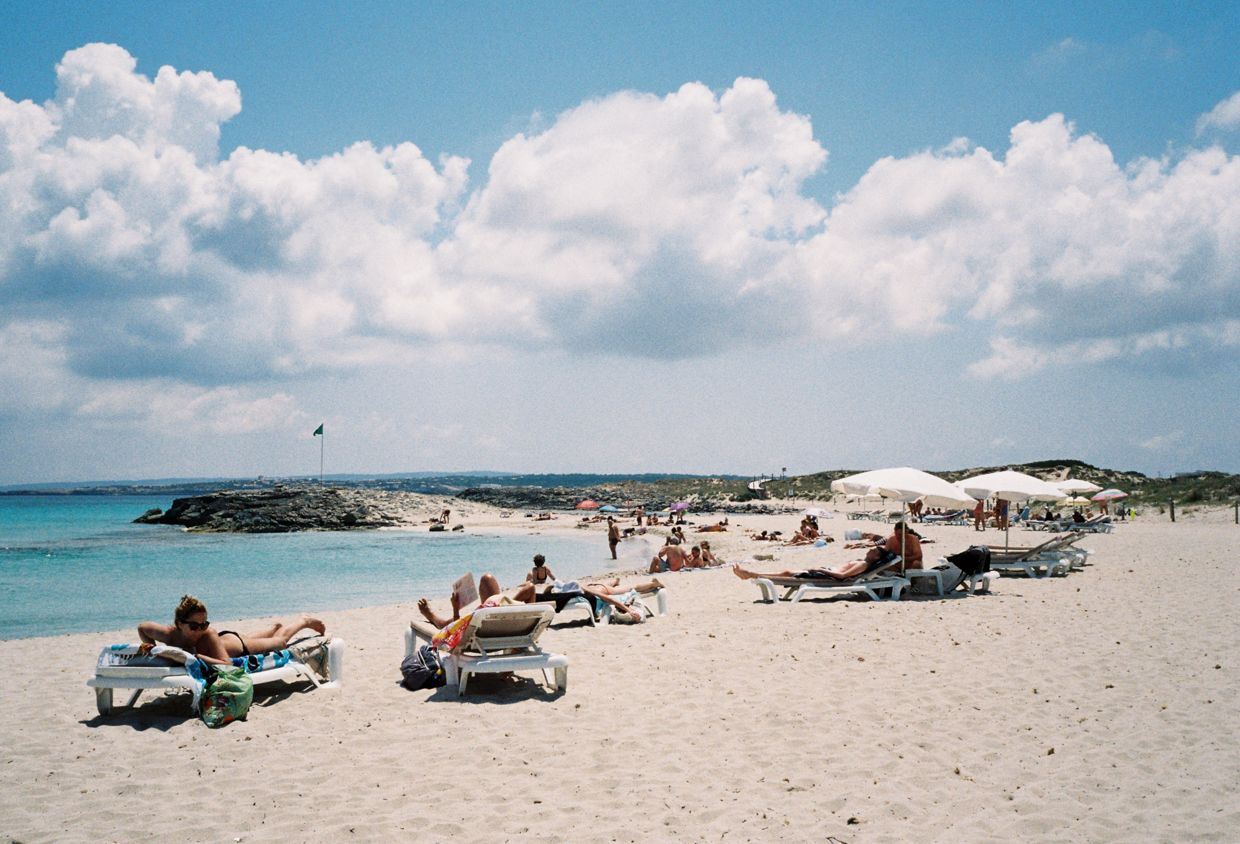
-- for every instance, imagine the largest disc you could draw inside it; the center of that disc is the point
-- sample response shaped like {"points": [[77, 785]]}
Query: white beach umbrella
{"points": [[905, 485], [1011, 486], [1072, 485], [816, 512]]}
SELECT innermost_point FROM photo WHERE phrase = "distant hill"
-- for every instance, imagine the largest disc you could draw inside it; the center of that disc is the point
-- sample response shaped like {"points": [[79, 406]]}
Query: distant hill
{"points": [[652, 489]]}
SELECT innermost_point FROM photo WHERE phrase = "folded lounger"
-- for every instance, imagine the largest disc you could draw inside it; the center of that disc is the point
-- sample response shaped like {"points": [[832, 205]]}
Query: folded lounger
{"points": [[497, 639], [870, 583], [1055, 556], [959, 517], [138, 673], [1098, 524]]}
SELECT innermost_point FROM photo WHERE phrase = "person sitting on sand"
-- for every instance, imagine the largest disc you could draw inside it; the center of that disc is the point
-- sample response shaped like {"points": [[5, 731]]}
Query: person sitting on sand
{"points": [[709, 558], [670, 557], [695, 560], [190, 631], [805, 535], [540, 574]]}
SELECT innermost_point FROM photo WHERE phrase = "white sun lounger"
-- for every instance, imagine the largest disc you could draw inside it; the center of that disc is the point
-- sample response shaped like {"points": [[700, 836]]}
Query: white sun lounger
{"points": [[110, 675], [872, 584], [497, 639]]}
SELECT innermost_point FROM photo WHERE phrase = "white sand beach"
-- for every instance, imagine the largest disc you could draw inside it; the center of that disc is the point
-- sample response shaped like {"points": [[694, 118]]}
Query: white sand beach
{"points": [[1100, 706]]}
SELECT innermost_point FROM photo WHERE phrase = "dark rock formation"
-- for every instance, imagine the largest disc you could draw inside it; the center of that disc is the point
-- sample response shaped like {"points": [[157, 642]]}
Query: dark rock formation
{"points": [[285, 509]]}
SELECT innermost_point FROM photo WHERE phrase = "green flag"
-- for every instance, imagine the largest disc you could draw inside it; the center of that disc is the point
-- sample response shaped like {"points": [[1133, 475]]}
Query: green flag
{"points": [[318, 432]]}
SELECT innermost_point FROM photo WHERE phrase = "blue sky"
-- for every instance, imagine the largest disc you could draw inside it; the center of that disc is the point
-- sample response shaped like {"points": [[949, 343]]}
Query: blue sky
{"points": [[649, 237]]}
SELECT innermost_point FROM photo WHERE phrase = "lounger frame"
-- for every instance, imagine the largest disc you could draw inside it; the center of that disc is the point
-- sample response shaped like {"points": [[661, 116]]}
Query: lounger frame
{"points": [[497, 639], [139, 679]]}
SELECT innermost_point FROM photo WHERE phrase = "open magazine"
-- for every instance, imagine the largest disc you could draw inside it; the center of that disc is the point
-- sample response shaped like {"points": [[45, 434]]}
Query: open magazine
{"points": [[465, 590]]}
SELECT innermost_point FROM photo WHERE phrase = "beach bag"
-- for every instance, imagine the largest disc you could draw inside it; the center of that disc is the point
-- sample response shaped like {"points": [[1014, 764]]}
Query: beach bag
{"points": [[227, 696], [312, 652], [422, 669], [972, 560]]}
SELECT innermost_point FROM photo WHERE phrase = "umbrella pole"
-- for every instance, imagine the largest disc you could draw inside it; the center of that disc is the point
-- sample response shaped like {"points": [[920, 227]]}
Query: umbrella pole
{"points": [[903, 541], [1007, 533]]}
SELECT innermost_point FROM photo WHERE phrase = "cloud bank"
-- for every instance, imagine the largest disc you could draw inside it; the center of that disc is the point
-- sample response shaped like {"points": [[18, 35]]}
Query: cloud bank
{"points": [[634, 225]]}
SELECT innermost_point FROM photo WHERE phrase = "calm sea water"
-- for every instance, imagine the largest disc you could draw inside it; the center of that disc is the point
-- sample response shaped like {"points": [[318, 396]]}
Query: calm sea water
{"points": [[75, 564]]}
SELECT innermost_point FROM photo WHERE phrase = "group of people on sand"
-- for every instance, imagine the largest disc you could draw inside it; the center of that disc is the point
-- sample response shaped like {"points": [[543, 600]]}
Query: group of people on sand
{"points": [[541, 586], [191, 628], [673, 557]]}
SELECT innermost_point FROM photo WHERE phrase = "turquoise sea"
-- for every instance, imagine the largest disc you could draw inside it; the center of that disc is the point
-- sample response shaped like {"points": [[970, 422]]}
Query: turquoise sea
{"points": [[76, 564]]}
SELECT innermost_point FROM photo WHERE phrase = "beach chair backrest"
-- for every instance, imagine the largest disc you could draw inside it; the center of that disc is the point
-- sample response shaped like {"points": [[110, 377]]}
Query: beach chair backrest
{"points": [[498, 628]]}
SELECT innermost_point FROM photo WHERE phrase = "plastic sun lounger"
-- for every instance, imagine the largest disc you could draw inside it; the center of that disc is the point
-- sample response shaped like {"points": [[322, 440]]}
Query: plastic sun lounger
{"points": [[1058, 549], [960, 517], [497, 639], [140, 678], [1098, 524], [1037, 568], [869, 583]]}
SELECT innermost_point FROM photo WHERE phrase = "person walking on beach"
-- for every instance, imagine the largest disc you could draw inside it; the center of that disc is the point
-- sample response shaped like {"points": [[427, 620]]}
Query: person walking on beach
{"points": [[979, 517], [613, 536]]}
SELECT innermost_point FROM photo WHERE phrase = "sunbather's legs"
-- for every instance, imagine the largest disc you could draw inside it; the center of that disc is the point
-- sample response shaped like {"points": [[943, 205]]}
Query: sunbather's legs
{"points": [[274, 637], [606, 598], [613, 587], [746, 574]]}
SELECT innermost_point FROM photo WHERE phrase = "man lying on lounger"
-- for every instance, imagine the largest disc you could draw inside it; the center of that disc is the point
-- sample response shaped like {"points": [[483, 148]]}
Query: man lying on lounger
{"points": [[190, 631], [899, 540], [489, 594]]}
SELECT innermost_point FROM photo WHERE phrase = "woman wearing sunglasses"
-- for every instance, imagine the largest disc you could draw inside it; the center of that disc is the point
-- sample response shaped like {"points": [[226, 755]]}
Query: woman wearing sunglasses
{"points": [[191, 631]]}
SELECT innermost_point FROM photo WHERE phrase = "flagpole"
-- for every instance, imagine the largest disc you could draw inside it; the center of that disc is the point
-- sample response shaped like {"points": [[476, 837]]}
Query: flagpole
{"points": [[318, 432]]}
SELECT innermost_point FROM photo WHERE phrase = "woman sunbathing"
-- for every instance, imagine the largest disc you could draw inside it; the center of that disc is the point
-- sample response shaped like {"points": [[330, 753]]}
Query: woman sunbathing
{"points": [[190, 631]]}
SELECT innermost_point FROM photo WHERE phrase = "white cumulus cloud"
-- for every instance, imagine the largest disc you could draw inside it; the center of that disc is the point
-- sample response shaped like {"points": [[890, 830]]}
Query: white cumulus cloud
{"points": [[1225, 115], [635, 225]]}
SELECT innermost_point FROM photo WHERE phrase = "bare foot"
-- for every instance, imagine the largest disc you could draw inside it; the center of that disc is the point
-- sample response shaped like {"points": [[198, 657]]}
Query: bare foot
{"points": [[655, 582], [742, 573], [314, 624]]}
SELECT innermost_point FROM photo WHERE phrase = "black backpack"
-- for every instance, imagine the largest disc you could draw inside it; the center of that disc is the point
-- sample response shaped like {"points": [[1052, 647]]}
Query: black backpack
{"points": [[422, 669], [972, 560]]}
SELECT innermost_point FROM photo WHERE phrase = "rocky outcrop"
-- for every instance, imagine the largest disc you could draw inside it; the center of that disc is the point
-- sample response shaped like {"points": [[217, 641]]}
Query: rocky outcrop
{"points": [[286, 509]]}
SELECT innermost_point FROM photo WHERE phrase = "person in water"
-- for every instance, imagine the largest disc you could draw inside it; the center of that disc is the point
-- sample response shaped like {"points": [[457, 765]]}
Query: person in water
{"points": [[191, 631]]}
